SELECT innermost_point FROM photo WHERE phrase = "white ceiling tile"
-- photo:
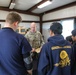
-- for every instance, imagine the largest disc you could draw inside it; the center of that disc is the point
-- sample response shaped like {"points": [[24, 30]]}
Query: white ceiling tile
{"points": [[5, 3], [55, 4], [25, 4]]}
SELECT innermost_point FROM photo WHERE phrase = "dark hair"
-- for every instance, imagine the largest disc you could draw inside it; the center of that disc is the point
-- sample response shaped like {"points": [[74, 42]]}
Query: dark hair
{"points": [[13, 17], [56, 28], [73, 32], [69, 38]]}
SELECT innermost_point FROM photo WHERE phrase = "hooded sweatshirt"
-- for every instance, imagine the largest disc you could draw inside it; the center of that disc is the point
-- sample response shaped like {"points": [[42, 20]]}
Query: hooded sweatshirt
{"points": [[55, 57]]}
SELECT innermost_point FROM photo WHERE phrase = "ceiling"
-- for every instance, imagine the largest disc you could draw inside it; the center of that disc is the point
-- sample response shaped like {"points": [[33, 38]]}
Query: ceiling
{"points": [[30, 6]]}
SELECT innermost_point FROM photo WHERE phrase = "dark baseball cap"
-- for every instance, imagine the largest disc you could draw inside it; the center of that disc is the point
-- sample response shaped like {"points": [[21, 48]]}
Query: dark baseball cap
{"points": [[56, 28]]}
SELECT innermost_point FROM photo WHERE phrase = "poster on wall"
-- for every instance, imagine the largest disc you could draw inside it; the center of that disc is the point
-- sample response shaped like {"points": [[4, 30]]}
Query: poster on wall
{"points": [[22, 30]]}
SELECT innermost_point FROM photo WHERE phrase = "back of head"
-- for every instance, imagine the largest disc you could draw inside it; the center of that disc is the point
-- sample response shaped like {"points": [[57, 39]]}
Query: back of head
{"points": [[69, 38], [73, 32], [13, 17], [56, 28]]}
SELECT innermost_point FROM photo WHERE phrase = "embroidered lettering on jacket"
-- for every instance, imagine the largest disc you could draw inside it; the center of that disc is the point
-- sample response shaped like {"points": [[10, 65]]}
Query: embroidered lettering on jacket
{"points": [[58, 47]]}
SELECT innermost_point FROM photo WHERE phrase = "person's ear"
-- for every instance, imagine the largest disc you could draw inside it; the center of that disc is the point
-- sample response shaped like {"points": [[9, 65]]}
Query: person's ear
{"points": [[15, 23], [74, 36], [51, 33]]}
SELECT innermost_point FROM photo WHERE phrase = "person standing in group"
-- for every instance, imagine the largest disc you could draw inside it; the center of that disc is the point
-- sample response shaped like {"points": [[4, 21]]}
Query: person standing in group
{"points": [[74, 47], [56, 55], [36, 41], [14, 48]]}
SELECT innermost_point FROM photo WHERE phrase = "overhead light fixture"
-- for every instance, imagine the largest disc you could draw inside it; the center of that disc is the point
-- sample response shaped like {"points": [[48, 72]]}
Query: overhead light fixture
{"points": [[48, 2], [12, 5]]}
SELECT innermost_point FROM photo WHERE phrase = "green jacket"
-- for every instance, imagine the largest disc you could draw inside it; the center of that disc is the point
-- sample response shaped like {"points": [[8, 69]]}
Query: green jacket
{"points": [[35, 39]]}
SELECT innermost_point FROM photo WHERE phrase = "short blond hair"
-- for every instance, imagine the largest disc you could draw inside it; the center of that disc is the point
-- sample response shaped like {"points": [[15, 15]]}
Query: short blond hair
{"points": [[13, 17]]}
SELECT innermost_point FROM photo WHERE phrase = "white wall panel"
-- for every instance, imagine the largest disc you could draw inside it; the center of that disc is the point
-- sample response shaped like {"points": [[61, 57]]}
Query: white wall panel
{"points": [[29, 17], [45, 30], [26, 17], [25, 25], [68, 12]]}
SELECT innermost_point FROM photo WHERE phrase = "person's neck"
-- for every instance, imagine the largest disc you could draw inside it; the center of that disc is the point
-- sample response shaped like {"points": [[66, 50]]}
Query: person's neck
{"points": [[8, 25], [52, 35]]}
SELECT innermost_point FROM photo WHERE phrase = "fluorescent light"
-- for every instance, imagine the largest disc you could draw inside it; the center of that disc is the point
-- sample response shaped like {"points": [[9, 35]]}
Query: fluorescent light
{"points": [[12, 5], [45, 4]]}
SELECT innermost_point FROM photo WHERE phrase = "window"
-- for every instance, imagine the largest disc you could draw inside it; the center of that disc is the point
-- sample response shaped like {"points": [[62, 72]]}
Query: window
{"points": [[68, 26]]}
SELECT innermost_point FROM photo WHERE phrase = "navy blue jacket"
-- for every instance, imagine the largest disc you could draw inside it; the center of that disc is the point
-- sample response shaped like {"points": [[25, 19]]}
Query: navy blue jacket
{"points": [[74, 64], [55, 57], [12, 48]]}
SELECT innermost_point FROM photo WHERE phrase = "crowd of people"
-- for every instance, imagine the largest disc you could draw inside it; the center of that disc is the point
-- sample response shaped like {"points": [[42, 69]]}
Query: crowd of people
{"points": [[29, 55]]}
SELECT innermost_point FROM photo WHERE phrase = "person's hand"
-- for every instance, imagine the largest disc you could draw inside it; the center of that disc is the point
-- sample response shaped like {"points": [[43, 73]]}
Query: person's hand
{"points": [[29, 72], [38, 50], [33, 50]]}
